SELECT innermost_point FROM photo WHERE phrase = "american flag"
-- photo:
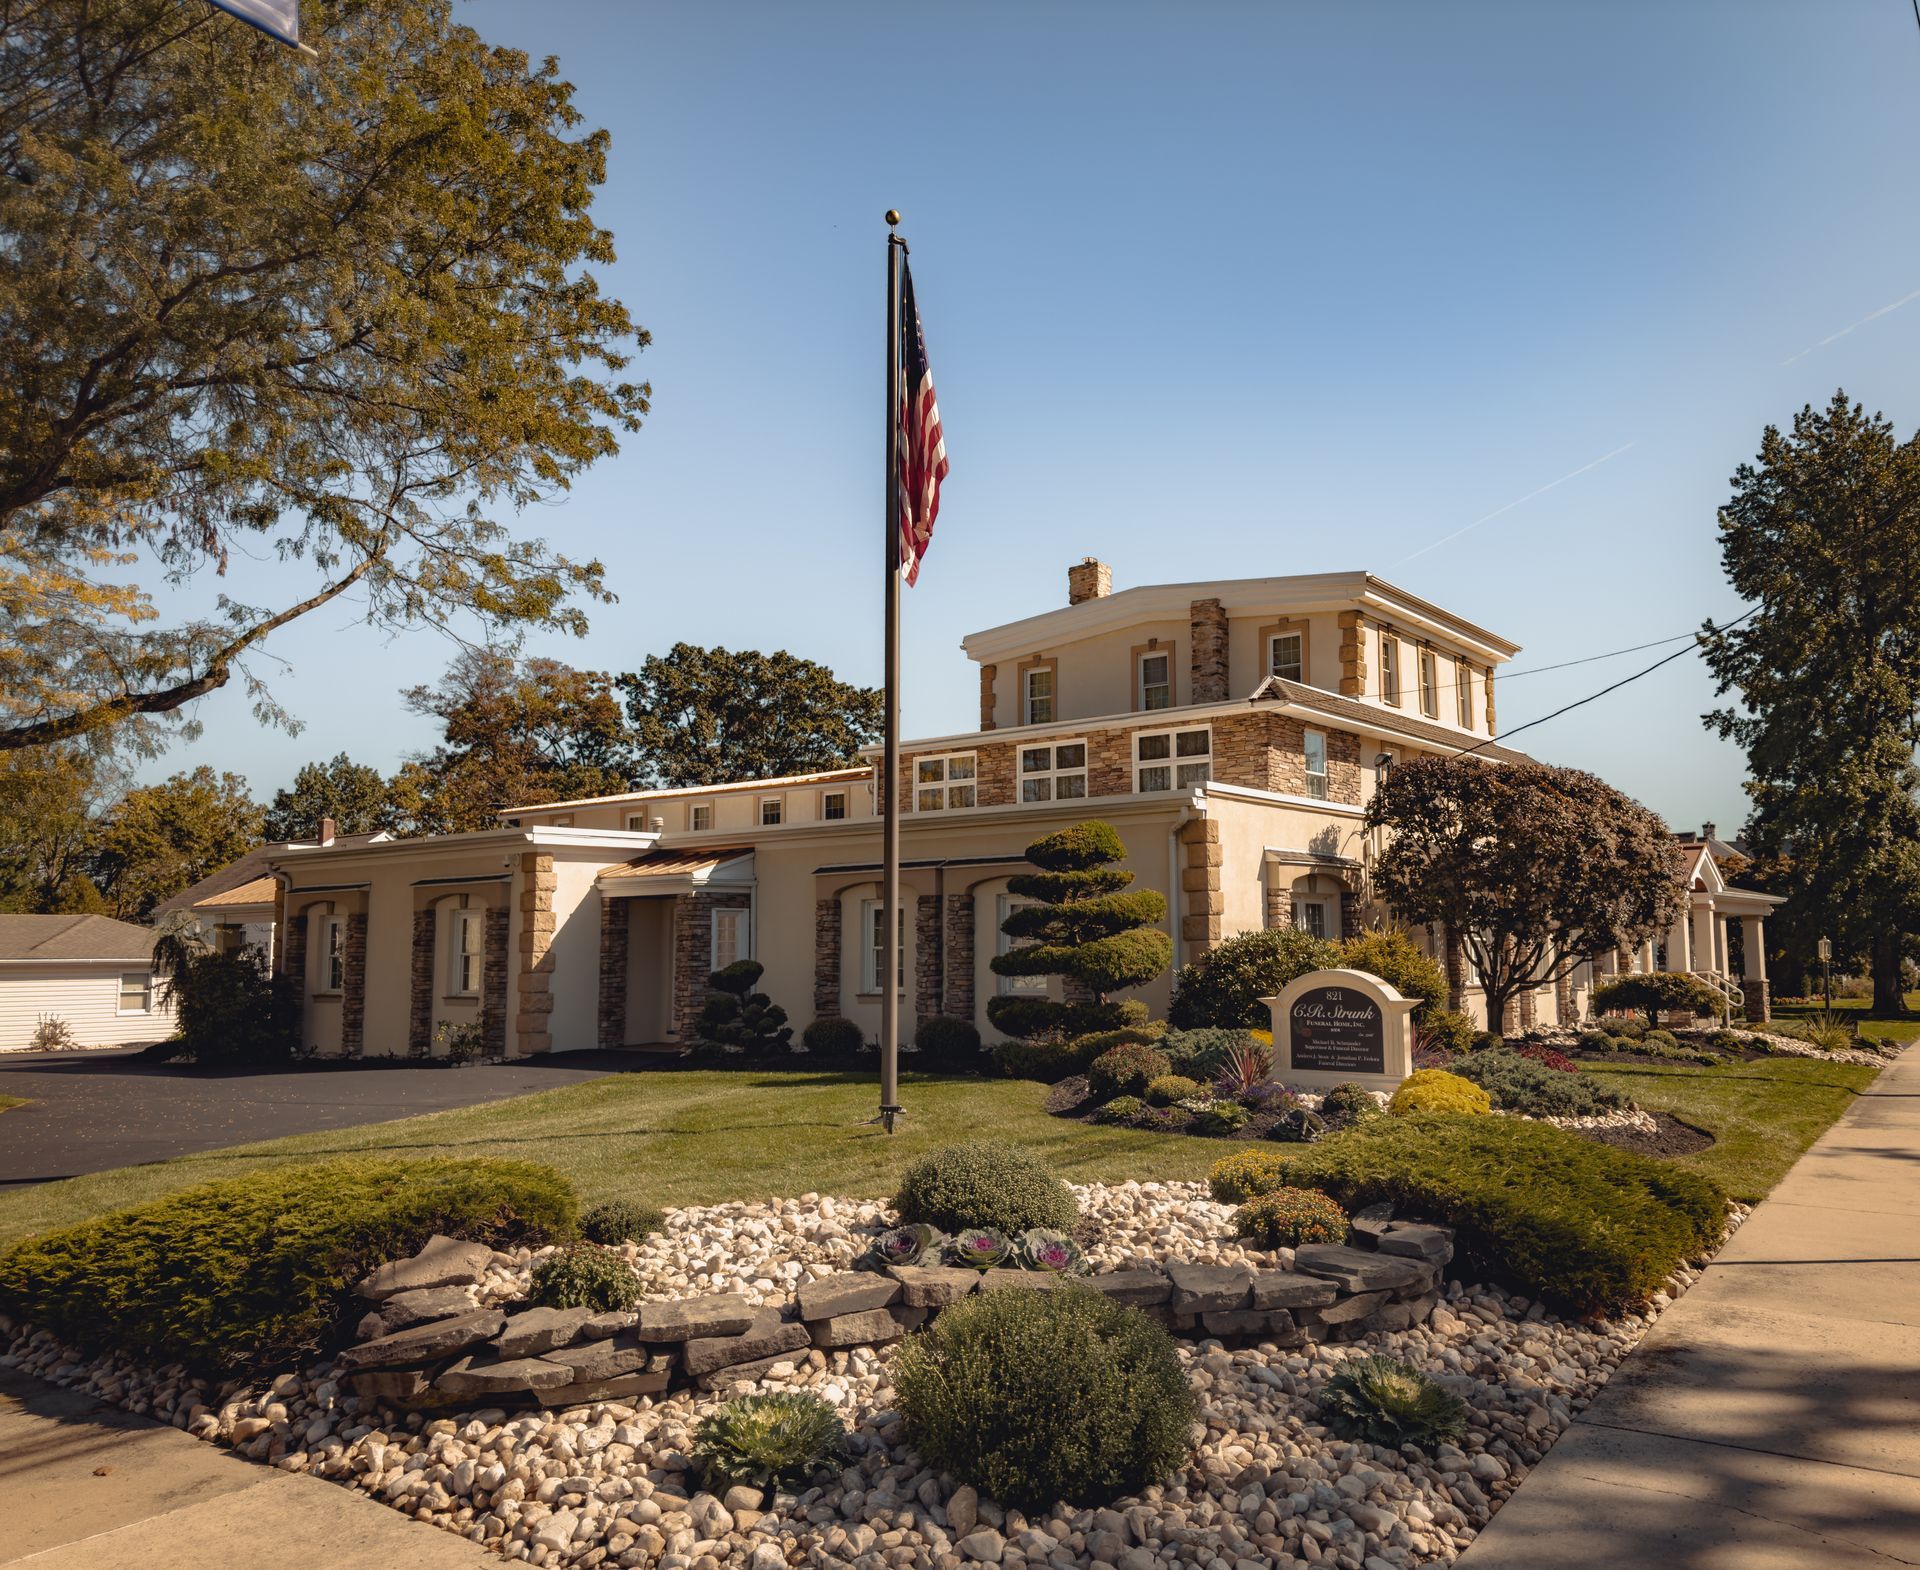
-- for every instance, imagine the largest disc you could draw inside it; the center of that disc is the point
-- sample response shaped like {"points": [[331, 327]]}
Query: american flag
{"points": [[922, 450]]}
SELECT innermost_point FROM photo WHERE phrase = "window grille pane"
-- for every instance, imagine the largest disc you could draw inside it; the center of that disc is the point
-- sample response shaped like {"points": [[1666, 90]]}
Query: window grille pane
{"points": [[1193, 743], [1073, 756], [1156, 779], [1036, 759], [1193, 773], [929, 801], [931, 769], [1155, 747], [1036, 790], [1071, 786], [959, 795], [960, 768]]}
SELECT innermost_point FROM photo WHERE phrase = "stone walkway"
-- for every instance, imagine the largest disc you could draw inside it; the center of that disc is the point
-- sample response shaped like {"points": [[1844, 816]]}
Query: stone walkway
{"points": [[1771, 1419], [88, 1487]]}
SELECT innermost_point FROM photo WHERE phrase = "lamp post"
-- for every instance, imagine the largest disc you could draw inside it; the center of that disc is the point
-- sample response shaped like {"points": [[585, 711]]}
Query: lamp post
{"points": [[1826, 972]]}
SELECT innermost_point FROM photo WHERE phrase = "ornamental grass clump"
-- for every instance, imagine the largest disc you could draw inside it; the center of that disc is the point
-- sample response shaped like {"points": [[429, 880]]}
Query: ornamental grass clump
{"points": [[582, 1276], [1288, 1217], [985, 1183], [1035, 1397], [1383, 1402], [1435, 1090], [783, 1439]]}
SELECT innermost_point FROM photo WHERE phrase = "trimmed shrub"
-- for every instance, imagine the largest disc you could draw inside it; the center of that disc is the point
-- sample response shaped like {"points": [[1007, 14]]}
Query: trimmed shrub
{"points": [[1164, 1120], [1392, 954], [1444, 1030], [1201, 1054], [1633, 1029], [985, 1183], [1052, 1061], [1220, 1118], [1517, 1084], [1287, 1217], [1125, 1070], [620, 1221], [1665, 1038], [949, 1042], [229, 1008], [1223, 988], [834, 1036], [1165, 1089], [1122, 1109], [1383, 1402], [737, 1016], [1235, 1179], [1348, 1101], [1435, 1090], [1585, 1226], [784, 1438], [1035, 1397], [1298, 1126], [582, 1276], [1657, 993], [259, 1271]]}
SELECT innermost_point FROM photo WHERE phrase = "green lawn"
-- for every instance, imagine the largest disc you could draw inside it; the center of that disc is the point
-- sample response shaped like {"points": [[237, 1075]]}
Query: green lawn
{"points": [[1900, 1029], [677, 1138]]}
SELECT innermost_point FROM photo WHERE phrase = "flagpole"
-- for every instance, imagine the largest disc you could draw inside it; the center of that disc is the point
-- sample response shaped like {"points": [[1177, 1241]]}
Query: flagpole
{"points": [[891, 789]]}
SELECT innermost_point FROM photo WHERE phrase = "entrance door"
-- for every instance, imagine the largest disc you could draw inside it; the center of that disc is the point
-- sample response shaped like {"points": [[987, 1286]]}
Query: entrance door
{"points": [[1313, 914], [649, 970]]}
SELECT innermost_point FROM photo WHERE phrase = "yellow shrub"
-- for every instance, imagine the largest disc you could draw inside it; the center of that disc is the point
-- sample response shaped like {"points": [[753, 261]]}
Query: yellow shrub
{"points": [[1435, 1090], [1246, 1174], [1264, 1037]]}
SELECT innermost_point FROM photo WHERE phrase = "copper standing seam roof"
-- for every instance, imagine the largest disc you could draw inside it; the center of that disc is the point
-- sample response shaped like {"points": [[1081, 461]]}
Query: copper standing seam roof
{"points": [[259, 891], [675, 863]]}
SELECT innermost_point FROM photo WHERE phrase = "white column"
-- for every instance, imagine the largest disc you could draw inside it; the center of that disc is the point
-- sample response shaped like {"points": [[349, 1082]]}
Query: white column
{"points": [[1703, 946], [1753, 941]]}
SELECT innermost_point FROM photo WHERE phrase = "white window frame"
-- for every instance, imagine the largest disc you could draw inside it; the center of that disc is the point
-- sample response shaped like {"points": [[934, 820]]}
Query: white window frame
{"points": [[1389, 669], [1016, 986], [1051, 774], [827, 799], [563, 821], [695, 809], [778, 804], [734, 917], [330, 954], [1316, 781], [145, 989], [1299, 661], [1141, 686], [950, 791], [1030, 701], [636, 823], [1463, 694], [1322, 903], [1430, 684], [1175, 763], [872, 929], [459, 923]]}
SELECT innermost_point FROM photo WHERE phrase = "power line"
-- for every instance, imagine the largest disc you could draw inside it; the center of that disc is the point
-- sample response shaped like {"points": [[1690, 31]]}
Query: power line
{"points": [[1665, 659]]}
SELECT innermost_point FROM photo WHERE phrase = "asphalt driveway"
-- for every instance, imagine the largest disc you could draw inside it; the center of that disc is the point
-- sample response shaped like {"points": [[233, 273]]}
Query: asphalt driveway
{"points": [[89, 1111]]}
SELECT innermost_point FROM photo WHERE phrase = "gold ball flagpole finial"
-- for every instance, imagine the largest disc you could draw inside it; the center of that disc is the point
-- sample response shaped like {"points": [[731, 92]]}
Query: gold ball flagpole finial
{"points": [[893, 217]]}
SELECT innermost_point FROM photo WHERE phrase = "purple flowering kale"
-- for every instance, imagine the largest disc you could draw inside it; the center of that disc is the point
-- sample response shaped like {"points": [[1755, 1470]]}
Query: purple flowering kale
{"points": [[1042, 1248], [908, 1245], [978, 1248]]}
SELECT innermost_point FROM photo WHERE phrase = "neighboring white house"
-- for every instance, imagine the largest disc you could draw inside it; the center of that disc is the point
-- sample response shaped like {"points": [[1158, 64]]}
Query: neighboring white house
{"points": [[92, 972]]}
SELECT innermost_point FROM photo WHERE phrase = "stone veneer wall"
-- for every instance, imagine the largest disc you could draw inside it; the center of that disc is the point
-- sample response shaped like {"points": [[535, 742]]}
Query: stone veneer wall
{"points": [[353, 987], [293, 947], [1202, 902], [1207, 656], [987, 674], [611, 1016], [1353, 654], [420, 988], [1490, 720], [959, 956], [693, 954], [533, 1029], [929, 959], [493, 980], [1759, 999], [826, 957]]}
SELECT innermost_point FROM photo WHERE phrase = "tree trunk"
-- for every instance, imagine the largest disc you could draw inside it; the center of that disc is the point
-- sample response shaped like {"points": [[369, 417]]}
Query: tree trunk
{"points": [[1888, 998]]}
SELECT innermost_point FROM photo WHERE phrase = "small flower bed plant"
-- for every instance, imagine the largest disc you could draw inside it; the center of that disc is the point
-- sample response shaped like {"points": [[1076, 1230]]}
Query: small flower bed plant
{"points": [[582, 1276], [785, 1438], [978, 1248], [1435, 1090], [1384, 1402], [1288, 1217]]}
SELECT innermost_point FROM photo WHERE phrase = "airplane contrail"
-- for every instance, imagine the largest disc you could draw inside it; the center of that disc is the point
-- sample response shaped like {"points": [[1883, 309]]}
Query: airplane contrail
{"points": [[1516, 502], [1871, 316]]}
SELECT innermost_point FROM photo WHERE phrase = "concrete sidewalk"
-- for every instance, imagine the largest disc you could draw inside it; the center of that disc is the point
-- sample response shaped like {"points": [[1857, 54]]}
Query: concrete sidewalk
{"points": [[1771, 1418], [88, 1487]]}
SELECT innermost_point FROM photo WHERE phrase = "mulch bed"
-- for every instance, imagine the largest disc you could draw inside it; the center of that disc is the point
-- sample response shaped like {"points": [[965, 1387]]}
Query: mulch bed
{"points": [[1672, 1138]]}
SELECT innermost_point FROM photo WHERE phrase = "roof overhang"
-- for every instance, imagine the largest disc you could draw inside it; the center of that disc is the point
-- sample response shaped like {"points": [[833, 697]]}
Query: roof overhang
{"points": [[685, 871]]}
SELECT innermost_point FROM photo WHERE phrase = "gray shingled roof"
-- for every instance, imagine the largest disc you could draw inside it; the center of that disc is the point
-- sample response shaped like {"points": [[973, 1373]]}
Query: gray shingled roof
{"points": [[1335, 706], [74, 938]]}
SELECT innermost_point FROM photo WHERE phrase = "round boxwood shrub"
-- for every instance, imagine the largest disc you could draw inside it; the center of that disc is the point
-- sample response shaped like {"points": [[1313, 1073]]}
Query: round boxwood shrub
{"points": [[1288, 1217], [1435, 1090], [581, 1276], [834, 1036], [947, 1041], [1035, 1397], [1125, 1070], [1234, 1179], [1122, 1109], [1348, 1101], [1225, 985], [1166, 1089], [985, 1183], [620, 1221]]}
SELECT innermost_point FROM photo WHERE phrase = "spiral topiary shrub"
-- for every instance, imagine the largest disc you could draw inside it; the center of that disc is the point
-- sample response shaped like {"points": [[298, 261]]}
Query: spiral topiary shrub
{"points": [[1125, 1070], [620, 1221], [782, 1439], [834, 1036], [1166, 1089], [1288, 1217], [581, 1276], [1435, 1090], [986, 1184], [1384, 1402], [1035, 1397]]}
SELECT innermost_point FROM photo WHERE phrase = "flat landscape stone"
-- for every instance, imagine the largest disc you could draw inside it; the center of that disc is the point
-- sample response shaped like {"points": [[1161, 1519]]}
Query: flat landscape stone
{"points": [[867, 1326], [406, 1309], [1357, 1270], [511, 1376], [1290, 1289], [1372, 1220], [1417, 1241], [1275, 1322], [647, 1381], [444, 1262], [536, 1330], [847, 1293], [1346, 1310], [933, 1286], [601, 1326], [425, 1343], [592, 1360], [391, 1384], [733, 1373], [1199, 1288], [1134, 1288], [725, 1314], [768, 1335]]}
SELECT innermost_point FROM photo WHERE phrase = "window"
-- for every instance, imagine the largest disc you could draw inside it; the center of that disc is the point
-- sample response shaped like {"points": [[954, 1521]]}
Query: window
{"points": [[564, 821], [1463, 694], [700, 816], [873, 920], [1283, 656], [1156, 681], [1172, 759], [136, 993], [636, 823], [1390, 668], [1313, 746], [1429, 685], [943, 782], [1310, 915], [833, 804], [1039, 696], [330, 960], [1056, 772], [1016, 986], [730, 938], [770, 810], [464, 952]]}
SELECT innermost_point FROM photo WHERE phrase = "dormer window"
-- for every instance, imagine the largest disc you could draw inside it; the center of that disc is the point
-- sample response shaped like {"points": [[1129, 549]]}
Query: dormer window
{"points": [[1156, 680]]}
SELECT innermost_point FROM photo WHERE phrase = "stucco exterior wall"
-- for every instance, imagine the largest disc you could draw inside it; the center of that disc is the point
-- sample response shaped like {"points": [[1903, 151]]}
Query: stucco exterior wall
{"points": [[576, 951], [87, 997]]}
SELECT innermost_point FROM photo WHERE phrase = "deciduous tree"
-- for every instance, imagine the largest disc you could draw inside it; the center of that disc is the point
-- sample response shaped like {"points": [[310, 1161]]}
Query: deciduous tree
{"points": [[1534, 868], [158, 839], [1823, 534], [338, 315], [50, 798], [707, 716], [352, 794]]}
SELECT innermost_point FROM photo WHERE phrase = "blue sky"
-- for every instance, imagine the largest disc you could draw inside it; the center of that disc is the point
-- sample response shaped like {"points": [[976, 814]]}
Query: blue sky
{"points": [[1211, 290]]}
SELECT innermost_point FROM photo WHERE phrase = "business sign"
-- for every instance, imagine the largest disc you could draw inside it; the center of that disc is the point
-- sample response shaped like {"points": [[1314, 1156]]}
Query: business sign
{"points": [[1332, 1027]]}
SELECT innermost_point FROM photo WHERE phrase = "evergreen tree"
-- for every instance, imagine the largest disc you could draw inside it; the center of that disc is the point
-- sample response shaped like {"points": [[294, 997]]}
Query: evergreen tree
{"points": [[1084, 927]]}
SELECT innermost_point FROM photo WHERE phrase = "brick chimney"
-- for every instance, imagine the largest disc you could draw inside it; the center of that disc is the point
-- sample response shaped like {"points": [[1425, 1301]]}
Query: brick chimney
{"points": [[1207, 673], [1091, 580], [1707, 831], [326, 831]]}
